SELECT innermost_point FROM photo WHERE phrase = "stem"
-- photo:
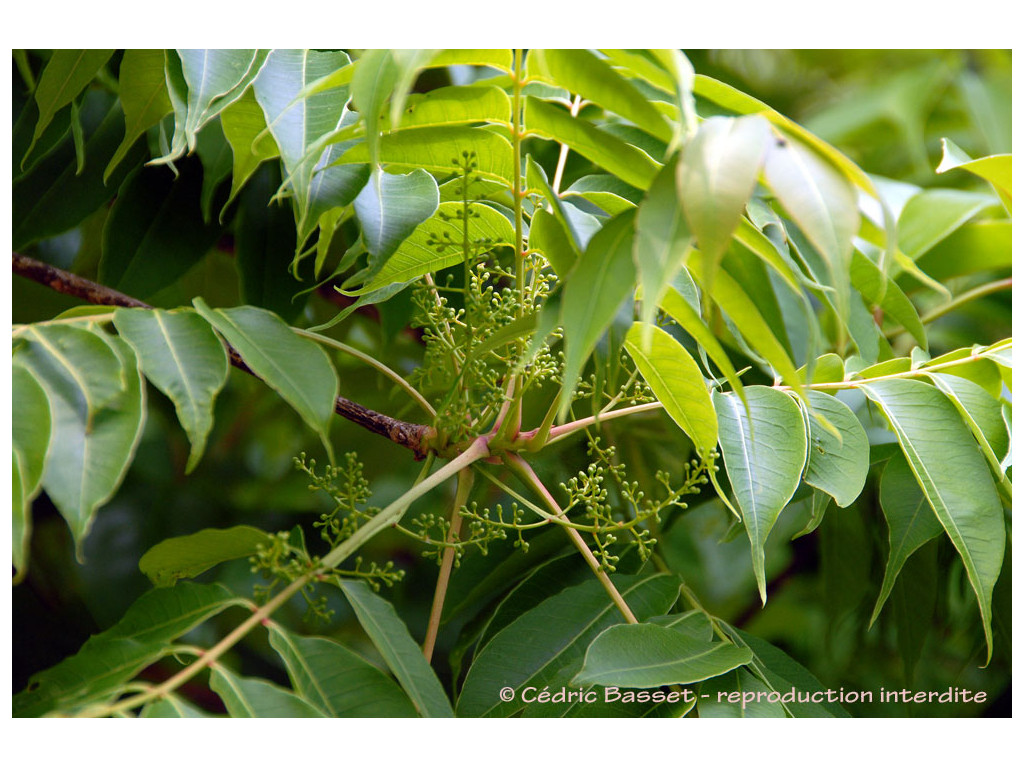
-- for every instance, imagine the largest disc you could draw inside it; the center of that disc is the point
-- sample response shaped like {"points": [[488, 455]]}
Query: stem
{"points": [[415, 437], [373, 362], [563, 153], [447, 561], [564, 430], [964, 298], [526, 473], [206, 659]]}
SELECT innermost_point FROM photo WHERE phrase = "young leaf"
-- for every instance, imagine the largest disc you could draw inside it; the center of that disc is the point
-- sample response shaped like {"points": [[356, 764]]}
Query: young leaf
{"points": [[822, 202], [296, 368], [438, 149], [251, 144], [677, 382], [404, 658], [630, 164], [142, 86], [662, 239], [30, 438], [253, 697], [647, 656], [458, 104], [66, 74], [184, 359], [546, 645], [717, 173], [97, 406], [337, 681], [995, 169], [953, 475], [581, 72], [437, 243], [932, 215], [391, 206], [185, 557], [837, 466], [373, 80], [598, 284], [765, 448], [910, 519]]}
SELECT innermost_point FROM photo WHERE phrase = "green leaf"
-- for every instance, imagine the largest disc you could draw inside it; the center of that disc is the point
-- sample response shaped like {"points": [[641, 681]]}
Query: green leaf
{"points": [[676, 381], [215, 77], [245, 128], [549, 236], [932, 215], [606, 192], [953, 476], [717, 173], [184, 359], [744, 313], [439, 149], [819, 503], [457, 104], [300, 126], [680, 310], [437, 243], [546, 645], [594, 290], [581, 72], [265, 238], [97, 406], [498, 58], [215, 154], [910, 519], [110, 659], [694, 624], [785, 676], [647, 656], [55, 196], [253, 697], [404, 658], [296, 368], [983, 415], [391, 206], [980, 246], [376, 73], [661, 242], [765, 449], [66, 75], [579, 225], [337, 681], [630, 164], [142, 88], [172, 706], [155, 232], [837, 466], [822, 202], [185, 557], [30, 438], [738, 694], [871, 283], [995, 169]]}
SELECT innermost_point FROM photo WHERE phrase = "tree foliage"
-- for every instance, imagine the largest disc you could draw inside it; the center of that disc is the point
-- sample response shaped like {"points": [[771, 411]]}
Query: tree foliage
{"points": [[672, 394]]}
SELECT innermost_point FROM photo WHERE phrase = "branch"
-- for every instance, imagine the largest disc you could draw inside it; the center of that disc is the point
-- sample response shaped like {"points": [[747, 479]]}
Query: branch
{"points": [[415, 437]]}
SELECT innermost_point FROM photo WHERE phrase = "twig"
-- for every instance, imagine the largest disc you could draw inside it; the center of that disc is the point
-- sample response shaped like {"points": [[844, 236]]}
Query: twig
{"points": [[415, 437]]}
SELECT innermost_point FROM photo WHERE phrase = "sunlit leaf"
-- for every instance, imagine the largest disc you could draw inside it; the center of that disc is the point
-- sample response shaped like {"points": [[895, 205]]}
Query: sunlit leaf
{"points": [[391, 206], [838, 467], [995, 169], [142, 87], [677, 382], [244, 127]]}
